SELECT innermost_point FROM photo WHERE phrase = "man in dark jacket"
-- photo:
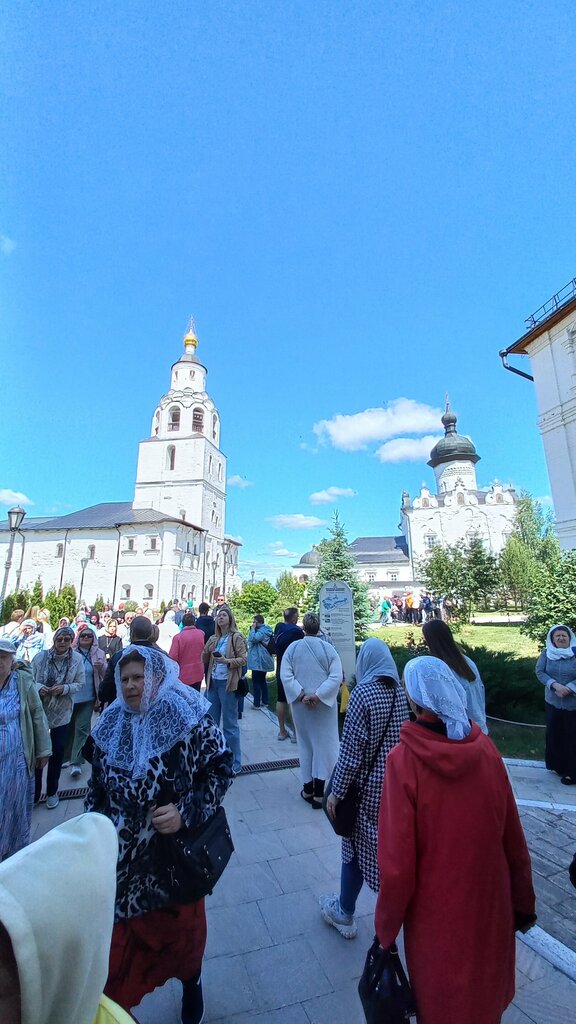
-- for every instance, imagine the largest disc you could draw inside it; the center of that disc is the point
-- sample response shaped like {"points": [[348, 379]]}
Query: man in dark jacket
{"points": [[205, 621], [285, 633]]}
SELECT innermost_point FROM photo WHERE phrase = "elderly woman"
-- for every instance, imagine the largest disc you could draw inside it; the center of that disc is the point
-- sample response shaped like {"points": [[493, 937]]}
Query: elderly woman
{"points": [[30, 642], [24, 746], [454, 865], [225, 656], [85, 698], [44, 622], [556, 669], [441, 644], [153, 715], [375, 712], [168, 630], [58, 675], [311, 674]]}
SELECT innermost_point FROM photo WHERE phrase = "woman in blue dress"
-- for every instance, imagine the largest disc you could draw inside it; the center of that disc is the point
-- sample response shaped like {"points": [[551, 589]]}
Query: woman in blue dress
{"points": [[24, 746]]}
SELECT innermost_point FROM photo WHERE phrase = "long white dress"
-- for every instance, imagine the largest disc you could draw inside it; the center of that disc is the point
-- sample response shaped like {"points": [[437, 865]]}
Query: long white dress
{"points": [[313, 665]]}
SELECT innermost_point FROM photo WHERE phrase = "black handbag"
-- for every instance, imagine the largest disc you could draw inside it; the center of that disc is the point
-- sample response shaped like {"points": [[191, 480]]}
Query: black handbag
{"points": [[346, 811], [193, 859], [384, 989]]}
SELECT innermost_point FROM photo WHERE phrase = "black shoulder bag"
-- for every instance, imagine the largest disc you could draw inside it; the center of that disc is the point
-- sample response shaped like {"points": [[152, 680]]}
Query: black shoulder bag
{"points": [[193, 859], [384, 990], [346, 811]]}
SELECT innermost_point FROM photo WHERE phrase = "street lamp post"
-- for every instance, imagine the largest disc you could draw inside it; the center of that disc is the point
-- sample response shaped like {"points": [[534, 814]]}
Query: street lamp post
{"points": [[15, 517], [214, 567], [226, 545], [83, 563]]}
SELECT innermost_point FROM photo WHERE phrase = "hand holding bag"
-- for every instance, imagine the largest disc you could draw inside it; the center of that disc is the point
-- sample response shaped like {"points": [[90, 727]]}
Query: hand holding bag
{"points": [[346, 811], [193, 859], [384, 989]]}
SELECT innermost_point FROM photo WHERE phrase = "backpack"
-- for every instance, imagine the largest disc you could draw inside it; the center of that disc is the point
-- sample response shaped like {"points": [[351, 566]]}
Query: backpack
{"points": [[270, 644]]}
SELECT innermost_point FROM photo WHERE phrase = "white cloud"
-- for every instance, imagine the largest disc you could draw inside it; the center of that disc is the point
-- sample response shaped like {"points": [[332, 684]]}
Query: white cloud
{"points": [[239, 481], [330, 494], [285, 553], [354, 433], [296, 521], [7, 245], [276, 544], [407, 449], [545, 500], [8, 497]]}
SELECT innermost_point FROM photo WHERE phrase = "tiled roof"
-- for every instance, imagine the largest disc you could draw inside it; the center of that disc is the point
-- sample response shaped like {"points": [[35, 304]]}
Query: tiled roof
{"points": [[107, 515], [379, 549]]}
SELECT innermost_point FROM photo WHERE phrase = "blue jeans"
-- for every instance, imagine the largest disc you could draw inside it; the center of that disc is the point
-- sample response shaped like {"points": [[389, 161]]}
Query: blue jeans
{"points": [[225, 705], [260, 687], [351, 881]]}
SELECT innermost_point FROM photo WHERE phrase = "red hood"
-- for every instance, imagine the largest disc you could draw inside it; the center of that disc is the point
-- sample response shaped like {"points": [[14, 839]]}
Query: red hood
{"points": [[449, 758]]}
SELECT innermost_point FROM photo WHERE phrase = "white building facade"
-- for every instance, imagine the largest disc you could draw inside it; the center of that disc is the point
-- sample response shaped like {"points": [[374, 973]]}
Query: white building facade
{"points": [[455, 511], [550, 344], [170, 541]]}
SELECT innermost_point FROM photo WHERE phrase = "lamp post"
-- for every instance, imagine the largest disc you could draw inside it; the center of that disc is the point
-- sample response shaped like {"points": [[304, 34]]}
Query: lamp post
{"points": [[226, 545], [83, 563], [15, 517], [214, 567]]}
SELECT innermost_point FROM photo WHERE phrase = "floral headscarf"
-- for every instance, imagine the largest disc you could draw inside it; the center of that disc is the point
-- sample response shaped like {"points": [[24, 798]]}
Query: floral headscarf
{"points": [[432, 685]]}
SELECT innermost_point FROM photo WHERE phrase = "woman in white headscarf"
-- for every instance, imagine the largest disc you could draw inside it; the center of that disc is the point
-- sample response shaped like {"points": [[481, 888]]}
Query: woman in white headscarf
{"points": [[167, 630], [30, 642], [375, 712], [556, 669], [153, 715], [454, 865], [57, 974]]}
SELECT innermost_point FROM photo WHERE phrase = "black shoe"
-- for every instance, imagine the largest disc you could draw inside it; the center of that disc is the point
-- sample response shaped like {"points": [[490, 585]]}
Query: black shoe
{"points": [[567, 780], [192, 1001]]}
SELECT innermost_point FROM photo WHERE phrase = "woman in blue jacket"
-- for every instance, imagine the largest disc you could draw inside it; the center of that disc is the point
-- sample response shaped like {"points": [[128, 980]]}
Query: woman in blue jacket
{"points": [[259, 660]]}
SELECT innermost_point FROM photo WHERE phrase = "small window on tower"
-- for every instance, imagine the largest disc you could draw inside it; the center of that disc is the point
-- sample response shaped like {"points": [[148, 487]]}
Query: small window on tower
{"points": [[174, 418], [460, 499], [214, 428], [153, 543], [198, 421], [170, 456], [130, 544]]}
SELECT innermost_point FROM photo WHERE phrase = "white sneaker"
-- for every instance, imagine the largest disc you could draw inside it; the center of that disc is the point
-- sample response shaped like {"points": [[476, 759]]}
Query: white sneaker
{"points": [[333, 914], [75, 771], [52, 801]]}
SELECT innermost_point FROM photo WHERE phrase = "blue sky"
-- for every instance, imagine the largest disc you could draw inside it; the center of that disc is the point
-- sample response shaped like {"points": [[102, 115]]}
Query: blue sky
{"points": [[359, 202]]}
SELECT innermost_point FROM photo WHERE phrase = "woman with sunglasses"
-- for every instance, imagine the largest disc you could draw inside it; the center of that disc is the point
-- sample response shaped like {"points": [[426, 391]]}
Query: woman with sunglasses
{"points": [[85, 699]]}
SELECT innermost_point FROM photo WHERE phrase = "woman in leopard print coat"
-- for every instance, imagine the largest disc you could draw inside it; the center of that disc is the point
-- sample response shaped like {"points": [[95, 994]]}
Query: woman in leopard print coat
{"points": [[155, 940]]}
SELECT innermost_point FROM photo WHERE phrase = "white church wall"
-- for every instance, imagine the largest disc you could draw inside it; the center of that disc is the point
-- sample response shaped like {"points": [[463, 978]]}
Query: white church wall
{"points": [[553, 361]]}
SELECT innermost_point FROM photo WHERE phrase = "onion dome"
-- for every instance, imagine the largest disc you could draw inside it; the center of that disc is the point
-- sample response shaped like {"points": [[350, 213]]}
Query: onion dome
{"points": [[310, 558], [453, 447]]}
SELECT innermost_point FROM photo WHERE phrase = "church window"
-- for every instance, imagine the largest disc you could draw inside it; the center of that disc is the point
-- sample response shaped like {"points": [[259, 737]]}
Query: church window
{"points": [[460, 499], [156, 424], [219, 470], [170, 456], [499, 499], [210, 464], [149, 591], [91, 551], [214, 428], [130, 544], [198, 421], [59, 551], [183, 514], [371, 577], [174, 418], [126, 591], [191, 374], [393, 576], [153, 543], [182, 591], [425, 503], [430, 541]]}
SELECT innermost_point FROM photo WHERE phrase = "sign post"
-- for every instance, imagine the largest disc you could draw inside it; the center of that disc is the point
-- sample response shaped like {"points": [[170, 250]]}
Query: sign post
{"points": [[337, 622]]}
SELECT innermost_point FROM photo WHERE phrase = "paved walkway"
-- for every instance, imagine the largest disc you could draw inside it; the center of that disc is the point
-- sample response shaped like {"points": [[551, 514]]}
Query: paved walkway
{"points": [[271, 959]]}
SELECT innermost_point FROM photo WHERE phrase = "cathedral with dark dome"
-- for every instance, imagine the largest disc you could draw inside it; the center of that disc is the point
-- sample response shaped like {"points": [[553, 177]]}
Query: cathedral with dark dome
{"points": [[453, 510]]}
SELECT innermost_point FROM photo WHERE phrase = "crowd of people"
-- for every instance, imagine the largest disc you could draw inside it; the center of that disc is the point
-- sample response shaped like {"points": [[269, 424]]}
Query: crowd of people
{"points": [[435, 817], [412, 608]]}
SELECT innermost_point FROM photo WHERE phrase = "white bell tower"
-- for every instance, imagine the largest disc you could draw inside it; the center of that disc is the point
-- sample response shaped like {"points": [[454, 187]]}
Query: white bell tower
{"points": [[181, 470]]}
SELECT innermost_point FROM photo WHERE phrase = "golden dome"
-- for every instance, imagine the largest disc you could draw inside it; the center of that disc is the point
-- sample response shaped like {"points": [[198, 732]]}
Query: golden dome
{"points": [[190, 339]]}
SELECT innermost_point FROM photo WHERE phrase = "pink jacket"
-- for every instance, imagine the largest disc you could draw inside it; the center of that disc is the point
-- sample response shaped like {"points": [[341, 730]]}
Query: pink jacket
{"points": [[186, 648]]}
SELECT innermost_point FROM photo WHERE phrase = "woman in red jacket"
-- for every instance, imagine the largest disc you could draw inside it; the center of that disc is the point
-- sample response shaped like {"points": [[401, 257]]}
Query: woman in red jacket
{"points": [[454, 865]]}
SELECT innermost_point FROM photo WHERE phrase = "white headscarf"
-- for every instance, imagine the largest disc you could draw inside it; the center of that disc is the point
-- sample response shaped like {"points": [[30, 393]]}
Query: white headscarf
{"points": [[374, 660], [432, 685], [72, 871], [167, 714], [559, 653]]}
